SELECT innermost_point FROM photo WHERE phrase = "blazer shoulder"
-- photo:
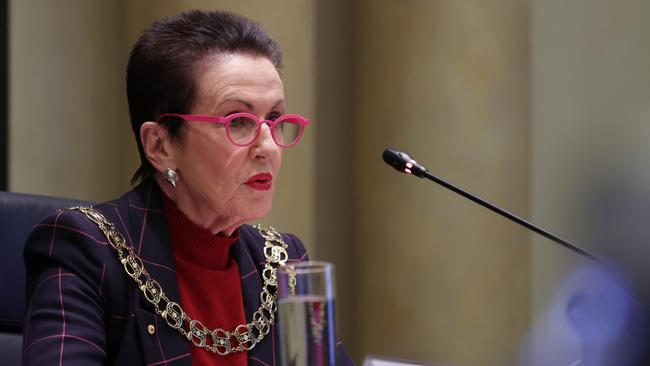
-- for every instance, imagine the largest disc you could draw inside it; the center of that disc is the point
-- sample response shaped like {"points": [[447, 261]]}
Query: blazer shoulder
{"points": [[65, 225], [301, 251], [65, 239]]}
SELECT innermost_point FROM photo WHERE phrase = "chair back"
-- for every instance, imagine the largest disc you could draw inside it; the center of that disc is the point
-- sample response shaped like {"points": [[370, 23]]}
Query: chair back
{"points": [[18, 215]]}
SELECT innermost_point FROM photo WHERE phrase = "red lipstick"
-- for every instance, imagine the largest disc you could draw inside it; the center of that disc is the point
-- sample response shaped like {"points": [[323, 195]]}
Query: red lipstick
{"points": [[260, 182]]}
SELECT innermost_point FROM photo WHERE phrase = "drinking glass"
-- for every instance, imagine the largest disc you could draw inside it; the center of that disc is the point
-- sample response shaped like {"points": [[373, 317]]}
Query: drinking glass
{"points": [[306, 314]]}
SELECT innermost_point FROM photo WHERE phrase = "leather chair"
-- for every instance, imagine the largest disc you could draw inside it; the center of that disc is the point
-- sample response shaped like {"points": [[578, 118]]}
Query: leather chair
{"points": [[18, 215]]}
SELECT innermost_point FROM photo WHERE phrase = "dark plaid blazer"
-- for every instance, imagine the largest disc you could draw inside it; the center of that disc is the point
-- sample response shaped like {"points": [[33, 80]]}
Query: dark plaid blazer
{"points": [[82, 307]]}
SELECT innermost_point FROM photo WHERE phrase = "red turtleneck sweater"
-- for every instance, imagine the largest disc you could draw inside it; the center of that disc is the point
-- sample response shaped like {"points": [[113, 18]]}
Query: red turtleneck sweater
{"points": [[208, 279]]}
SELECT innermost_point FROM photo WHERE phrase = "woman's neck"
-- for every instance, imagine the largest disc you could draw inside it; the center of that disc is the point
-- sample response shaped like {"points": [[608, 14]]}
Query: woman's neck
{"points": [[200, 213]]}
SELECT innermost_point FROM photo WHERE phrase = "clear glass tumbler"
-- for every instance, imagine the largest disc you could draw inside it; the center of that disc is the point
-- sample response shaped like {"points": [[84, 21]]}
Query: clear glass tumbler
{"points": [[306, 314]]}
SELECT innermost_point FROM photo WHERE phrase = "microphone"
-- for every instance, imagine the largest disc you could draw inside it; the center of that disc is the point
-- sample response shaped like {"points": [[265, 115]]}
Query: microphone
{"points": [[404, 163]]}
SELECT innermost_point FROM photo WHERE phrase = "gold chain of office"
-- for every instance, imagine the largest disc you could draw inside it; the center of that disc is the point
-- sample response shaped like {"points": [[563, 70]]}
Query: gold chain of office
{"points": [[220, 341]]}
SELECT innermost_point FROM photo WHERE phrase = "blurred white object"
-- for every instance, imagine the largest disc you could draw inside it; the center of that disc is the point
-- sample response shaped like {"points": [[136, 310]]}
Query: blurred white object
{"points": [[373, 361]]}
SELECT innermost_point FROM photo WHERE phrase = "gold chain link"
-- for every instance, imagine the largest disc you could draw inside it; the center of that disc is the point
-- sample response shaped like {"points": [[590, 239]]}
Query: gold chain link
{"points": [[218, 340]]}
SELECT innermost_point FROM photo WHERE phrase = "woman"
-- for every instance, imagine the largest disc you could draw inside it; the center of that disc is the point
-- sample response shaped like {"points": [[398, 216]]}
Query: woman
{"points": [[170, 273]]}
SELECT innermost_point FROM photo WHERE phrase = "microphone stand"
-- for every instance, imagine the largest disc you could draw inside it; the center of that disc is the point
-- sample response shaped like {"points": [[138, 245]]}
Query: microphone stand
{"points": [[402, 162]]}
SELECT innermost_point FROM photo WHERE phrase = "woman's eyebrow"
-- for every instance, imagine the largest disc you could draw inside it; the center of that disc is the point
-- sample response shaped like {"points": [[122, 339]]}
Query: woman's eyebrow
{"points": [[277, 104], [246, 103]]}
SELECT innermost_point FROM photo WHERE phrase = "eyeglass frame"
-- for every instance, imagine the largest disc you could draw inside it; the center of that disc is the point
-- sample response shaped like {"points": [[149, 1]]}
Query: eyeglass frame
{"points": [[304, 122]]}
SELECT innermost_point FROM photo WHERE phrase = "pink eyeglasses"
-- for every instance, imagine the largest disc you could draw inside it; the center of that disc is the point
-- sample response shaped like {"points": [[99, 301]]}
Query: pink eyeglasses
{"points": [[243, 129]]}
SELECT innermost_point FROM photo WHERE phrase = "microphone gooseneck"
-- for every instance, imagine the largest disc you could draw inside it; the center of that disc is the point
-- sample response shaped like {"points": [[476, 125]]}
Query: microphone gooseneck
{"points": [[404, 163]]}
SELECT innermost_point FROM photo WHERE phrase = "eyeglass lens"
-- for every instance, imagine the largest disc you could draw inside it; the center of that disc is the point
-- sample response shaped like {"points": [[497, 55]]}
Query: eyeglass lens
{"points": [[243, 130]]}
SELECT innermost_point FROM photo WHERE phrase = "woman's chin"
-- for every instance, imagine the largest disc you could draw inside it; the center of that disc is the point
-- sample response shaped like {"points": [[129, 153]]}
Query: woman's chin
{"points": [[257, 210]]}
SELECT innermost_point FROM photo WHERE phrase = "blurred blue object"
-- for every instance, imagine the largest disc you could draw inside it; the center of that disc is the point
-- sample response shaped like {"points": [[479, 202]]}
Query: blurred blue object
{"points": [[607, 317]]}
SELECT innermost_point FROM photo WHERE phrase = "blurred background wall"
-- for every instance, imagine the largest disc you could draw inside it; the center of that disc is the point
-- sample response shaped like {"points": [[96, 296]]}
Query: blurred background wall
{"points": [[66, 98], [439, 278], [590, 127], [533, 104]]}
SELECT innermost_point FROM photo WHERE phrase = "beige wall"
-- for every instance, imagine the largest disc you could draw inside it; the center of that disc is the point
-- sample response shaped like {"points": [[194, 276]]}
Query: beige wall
{"points": [[590, 127], [334, 162], [439, 278], [67, 111]]}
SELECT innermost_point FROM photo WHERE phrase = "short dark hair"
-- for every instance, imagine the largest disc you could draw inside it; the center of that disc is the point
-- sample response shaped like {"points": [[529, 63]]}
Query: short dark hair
{"points": [[160, 71]]}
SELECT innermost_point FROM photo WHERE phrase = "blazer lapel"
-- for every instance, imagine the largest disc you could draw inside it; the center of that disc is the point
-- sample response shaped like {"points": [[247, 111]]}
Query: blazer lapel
{"points": [[149, 236], [251, 280], [150, 240]]}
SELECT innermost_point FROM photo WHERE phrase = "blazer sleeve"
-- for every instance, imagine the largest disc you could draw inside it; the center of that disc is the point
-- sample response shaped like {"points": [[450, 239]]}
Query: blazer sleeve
{"points": [[64, 321]]}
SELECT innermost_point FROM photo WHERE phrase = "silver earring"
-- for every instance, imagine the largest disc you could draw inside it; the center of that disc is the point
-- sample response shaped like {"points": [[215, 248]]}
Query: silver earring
{"points": [[171, 176]]}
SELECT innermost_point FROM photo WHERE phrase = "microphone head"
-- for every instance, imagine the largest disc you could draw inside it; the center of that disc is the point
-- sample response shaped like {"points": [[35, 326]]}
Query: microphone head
{"points": [[395, 158], [403, 163]]}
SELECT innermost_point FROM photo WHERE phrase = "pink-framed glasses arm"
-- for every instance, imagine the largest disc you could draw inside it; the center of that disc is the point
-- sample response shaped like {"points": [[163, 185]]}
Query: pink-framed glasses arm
{"points": [[195, 117]]}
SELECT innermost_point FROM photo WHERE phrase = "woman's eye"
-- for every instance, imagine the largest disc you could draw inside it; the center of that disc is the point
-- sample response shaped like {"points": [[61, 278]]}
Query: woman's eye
{"points": [[239, 122]]}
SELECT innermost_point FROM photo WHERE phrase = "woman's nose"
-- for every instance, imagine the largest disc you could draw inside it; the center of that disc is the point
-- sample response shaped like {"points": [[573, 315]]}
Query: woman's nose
{"points": [[265, 144], [266, 135]]}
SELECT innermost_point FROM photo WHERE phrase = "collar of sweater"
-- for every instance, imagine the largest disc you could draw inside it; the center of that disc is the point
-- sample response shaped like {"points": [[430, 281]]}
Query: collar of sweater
{"points": [[197, 244]]}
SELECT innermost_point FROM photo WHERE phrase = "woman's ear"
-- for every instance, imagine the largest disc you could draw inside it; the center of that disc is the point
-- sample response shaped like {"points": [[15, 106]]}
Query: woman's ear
{"points": [[158, 146]]}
